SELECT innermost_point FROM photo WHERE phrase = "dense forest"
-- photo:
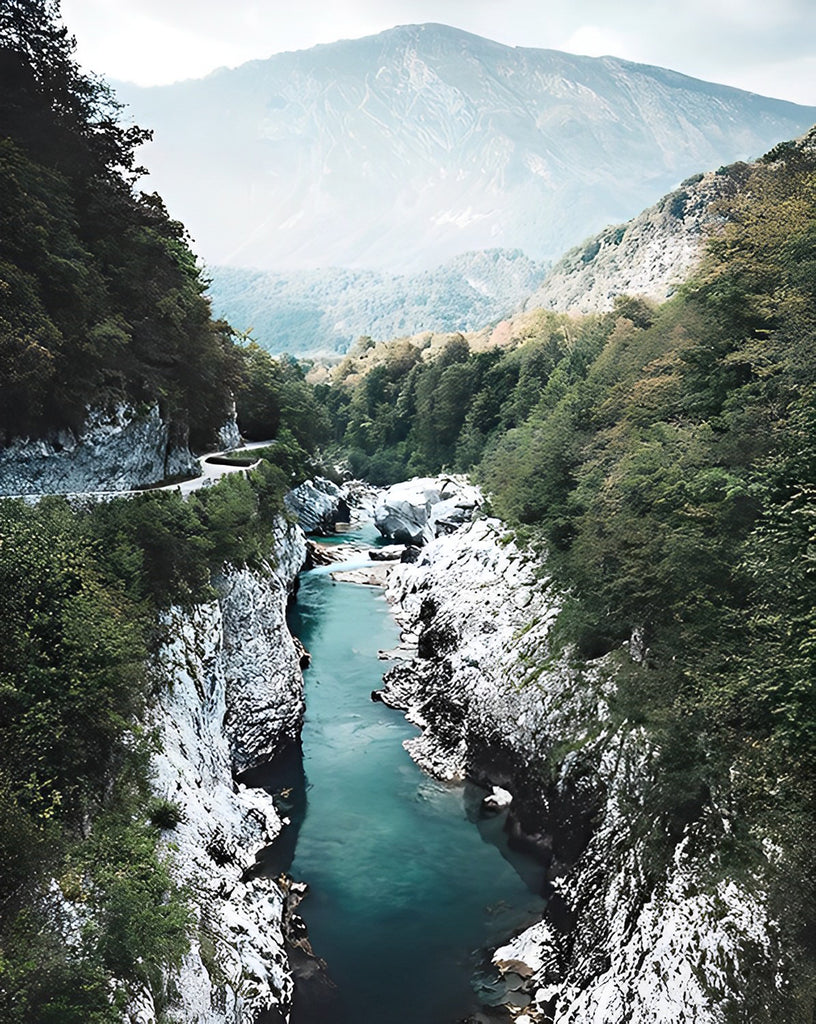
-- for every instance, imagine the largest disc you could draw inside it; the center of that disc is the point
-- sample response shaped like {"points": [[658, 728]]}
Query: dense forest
{"points": [[662, 461], [101, 299], [312, 311]]}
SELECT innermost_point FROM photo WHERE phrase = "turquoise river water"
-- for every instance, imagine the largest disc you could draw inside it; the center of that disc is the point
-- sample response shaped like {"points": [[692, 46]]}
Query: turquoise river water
{"points": [[408, 886]]}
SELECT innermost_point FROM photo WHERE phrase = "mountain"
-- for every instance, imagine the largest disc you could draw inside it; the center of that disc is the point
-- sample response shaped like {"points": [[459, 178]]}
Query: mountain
{"points": [[652, 254], [310, 311], [401, 150]]}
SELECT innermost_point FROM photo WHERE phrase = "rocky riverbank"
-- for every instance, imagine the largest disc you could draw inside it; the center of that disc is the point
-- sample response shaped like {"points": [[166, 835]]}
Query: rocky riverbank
{"points": [[640, 927], [233, 698]]}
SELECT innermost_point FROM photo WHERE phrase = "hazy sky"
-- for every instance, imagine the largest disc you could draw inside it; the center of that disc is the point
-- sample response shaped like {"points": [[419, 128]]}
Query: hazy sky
{"points": [[766, 46]]}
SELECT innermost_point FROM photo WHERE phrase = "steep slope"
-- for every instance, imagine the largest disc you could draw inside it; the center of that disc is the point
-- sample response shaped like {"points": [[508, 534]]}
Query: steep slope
{"points": [[641, 927], [233, 673], [650, 255], [401, 150]]}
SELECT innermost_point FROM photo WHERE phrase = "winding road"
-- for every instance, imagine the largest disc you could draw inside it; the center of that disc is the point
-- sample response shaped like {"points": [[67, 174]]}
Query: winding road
{"points": [[211, 472]]}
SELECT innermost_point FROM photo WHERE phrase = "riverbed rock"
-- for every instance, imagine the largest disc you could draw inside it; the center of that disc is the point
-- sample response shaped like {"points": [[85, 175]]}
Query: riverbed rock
{"points": [[389, 553], [319, 505], [415, 511], [118, 449], [623, 942], [316, 554], [375, 575], [497, 800]]}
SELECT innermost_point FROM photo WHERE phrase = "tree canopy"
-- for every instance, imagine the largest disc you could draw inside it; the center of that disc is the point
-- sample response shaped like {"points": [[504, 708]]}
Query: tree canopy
{"points": [[101, 299]]}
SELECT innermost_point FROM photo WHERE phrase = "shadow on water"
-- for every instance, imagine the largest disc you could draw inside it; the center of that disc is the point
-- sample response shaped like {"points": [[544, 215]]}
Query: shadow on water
{"points": [[285, 780]]}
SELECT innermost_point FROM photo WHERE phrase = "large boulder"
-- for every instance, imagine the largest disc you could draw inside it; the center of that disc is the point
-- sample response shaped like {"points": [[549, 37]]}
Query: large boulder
{"points": [[416, 511], [319, 505]]}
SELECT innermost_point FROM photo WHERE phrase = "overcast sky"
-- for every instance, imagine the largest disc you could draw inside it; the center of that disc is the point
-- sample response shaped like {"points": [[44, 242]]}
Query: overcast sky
{"points": [[765, 46]]}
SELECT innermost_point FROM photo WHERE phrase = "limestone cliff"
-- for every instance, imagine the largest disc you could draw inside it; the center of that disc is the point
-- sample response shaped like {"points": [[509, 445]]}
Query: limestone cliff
{"points": [[649, 256], [233, 697], [642, 927], [117, 450]]}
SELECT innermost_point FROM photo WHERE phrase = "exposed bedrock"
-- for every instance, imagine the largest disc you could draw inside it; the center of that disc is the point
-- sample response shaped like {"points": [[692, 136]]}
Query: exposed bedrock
{"points": [[416, 511], [319, 506], [233, 698], [118, 449], [642, 926]]}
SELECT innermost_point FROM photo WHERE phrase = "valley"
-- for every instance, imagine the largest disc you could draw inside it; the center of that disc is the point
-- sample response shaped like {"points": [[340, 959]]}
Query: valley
{"points": [[582, 790]]}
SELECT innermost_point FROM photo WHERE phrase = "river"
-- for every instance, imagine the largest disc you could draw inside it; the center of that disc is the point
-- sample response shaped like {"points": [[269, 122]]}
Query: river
{"points": [[408, 885]]}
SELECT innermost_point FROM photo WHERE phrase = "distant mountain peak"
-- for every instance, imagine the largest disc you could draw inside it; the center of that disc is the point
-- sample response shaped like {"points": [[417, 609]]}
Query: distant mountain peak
{"points": [[398, 151]]}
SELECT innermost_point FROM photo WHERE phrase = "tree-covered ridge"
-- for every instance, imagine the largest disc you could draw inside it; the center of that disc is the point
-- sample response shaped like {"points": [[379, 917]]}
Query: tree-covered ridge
{"points": [[100, 296], [664, 459], [323, 311]]}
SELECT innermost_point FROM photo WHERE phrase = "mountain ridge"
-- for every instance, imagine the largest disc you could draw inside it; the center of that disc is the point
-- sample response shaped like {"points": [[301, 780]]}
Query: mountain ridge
{"points": [[399, 151], [306, 312]]}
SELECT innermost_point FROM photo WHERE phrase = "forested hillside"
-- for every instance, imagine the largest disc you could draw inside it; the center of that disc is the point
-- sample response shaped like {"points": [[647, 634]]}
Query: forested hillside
{"points": [[81, 592], [100, 297], [310, 311], [663, 460]]}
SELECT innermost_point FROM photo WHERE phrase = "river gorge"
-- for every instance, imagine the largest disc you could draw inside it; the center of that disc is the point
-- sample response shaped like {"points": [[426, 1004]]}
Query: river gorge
{"points": [[410, 885], [411, 888]]}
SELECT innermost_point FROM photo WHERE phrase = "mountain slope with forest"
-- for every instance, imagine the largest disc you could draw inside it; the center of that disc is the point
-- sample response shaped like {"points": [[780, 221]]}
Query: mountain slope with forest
{"points": [[113, 894], [100, 298], [660, 460], [400, 151], [320, 311], [649, 256]]}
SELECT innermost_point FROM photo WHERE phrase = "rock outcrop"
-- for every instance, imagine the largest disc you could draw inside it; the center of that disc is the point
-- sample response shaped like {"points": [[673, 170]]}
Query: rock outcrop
{"points": [[234, 696], [319, 506], [117, 450], [261, 668], [418, 510], [641, 927], [649, 256], [229, 436]]}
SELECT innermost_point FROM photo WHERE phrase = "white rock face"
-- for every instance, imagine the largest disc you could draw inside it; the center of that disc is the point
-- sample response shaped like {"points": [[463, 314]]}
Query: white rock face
{"points": [[229, 436], [234, 696], [261, 668], [290, 552], [117, 450], [649, 256], [677, 946], [416, 511], [318, 504]]}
